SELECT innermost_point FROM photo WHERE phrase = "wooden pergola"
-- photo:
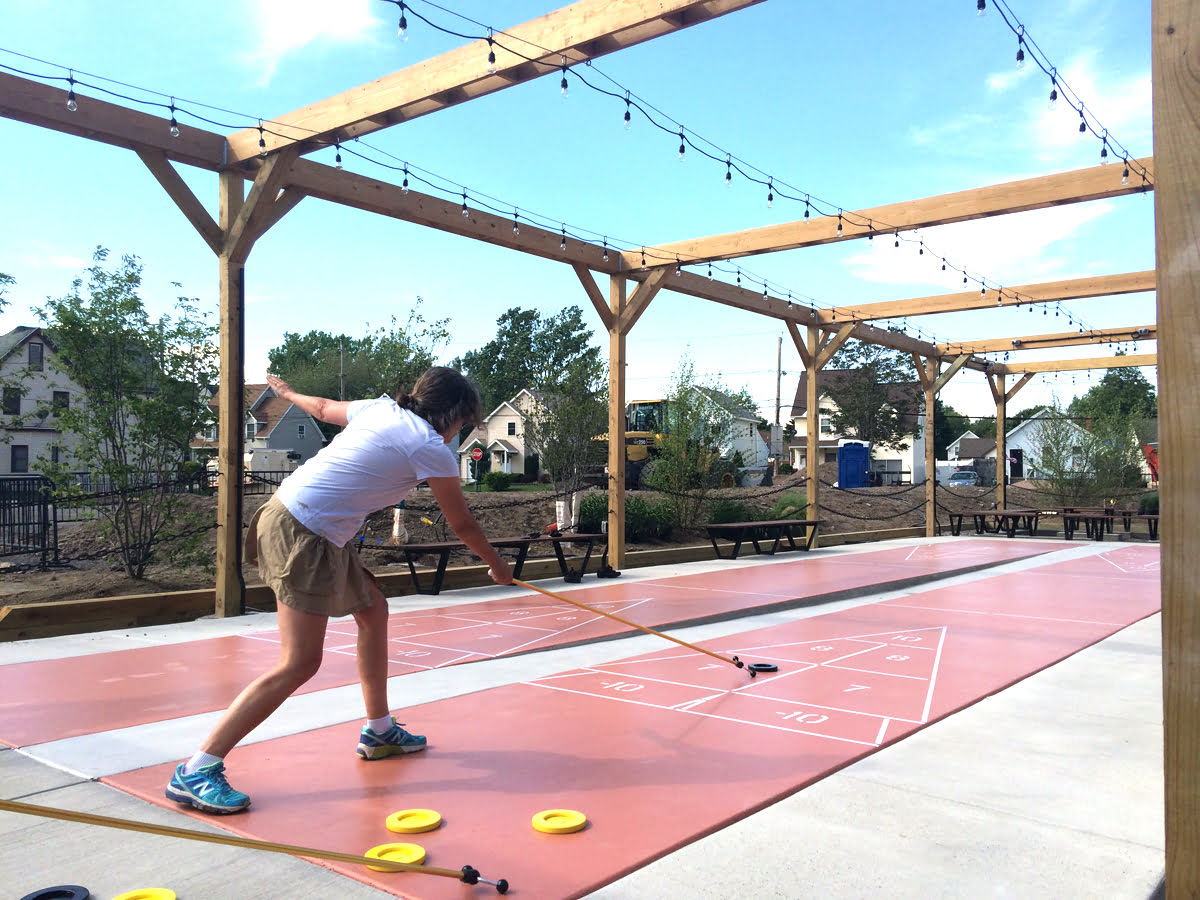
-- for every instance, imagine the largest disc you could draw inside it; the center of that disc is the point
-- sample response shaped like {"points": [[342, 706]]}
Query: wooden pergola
{"points": [[279, 177]]}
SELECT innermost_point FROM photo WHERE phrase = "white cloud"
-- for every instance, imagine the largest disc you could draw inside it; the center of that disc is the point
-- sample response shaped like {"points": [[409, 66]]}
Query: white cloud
{"points": [[938, 134], [1123, 107], [1002, 81], [1018, 246], [285, 26]]}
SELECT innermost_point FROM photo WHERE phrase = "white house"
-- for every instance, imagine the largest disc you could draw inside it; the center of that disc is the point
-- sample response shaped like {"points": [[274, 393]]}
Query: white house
{"points": [[894, 466], [1021, 443], [501, 437], [742, 434], [34, 391]]}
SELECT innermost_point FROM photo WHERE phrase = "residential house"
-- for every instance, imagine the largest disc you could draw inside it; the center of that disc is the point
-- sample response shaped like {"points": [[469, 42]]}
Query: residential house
{"points": [[1021, 444], [501, 436], [741, 428], [34, 391], [270, 423], [894, 466]]}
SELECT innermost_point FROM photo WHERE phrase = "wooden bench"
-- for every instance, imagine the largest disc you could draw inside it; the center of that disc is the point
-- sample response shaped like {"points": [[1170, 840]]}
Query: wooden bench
{"points": [[1011, 520], [758, 533], [1151, 520], [443, 549]]}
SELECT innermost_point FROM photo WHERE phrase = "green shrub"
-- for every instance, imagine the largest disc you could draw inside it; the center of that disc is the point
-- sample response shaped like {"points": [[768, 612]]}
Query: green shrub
{"points": [[647, 521], [1148, 503], [789, 505], [592, 511], [786, 469], [498, 481], [724, 510]]}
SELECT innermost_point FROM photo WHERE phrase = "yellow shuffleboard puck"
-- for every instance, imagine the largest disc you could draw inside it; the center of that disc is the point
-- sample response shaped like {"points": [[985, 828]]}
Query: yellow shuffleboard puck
{"points": [[559, 821], [147, 894], [409, 854], [413, 821]]}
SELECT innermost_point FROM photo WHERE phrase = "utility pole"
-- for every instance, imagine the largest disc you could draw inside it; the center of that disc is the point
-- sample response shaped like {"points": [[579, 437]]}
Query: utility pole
{"points": [[778, 375]]}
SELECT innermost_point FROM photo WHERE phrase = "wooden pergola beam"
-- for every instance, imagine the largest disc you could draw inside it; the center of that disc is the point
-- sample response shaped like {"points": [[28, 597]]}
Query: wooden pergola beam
{"points": [[1059, 339], [1095, 183], [1076, 365], [580, 32], [965, 301]]}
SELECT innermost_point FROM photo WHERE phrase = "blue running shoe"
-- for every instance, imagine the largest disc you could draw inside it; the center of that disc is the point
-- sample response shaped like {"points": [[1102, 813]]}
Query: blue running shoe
{"points": [[207, 790], [394, 740]]}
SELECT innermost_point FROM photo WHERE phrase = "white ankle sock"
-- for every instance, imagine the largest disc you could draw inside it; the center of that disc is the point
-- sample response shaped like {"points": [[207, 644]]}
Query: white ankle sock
{"points": [[199, 761], [380, 726]]}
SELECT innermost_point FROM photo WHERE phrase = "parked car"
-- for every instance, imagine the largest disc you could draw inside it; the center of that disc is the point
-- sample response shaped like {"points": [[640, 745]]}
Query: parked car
{"points": [[965, 478]]}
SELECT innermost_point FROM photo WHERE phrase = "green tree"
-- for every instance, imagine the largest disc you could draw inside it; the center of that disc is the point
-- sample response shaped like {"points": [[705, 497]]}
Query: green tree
{"points": [[1121, 393], [948, 425], [529, 350], [698, 423], [875, 391], [562, 423], [145, 399], [1086, 468], [6, 281], [384, 361]]}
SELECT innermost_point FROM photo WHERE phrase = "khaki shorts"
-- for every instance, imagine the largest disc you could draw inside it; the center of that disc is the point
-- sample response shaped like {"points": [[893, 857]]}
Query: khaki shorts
{"points": [[307, 572]]}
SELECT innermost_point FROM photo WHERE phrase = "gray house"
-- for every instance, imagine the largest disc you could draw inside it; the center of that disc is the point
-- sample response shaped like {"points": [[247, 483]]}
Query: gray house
{"points": [[271, 423], [34, 390]]}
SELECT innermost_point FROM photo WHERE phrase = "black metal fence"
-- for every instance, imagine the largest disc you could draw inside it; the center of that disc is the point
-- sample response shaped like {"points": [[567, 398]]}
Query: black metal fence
{"points": [[28, 519]]}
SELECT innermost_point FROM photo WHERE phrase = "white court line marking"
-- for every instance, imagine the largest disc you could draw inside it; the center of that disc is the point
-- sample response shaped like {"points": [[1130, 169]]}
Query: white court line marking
{"points": [[1104, 556], [690, 704], [937, 662], [815, 734], [843, 637], [883, 726], [984, 612], [912, 552], [877, 672], [840, 709]]}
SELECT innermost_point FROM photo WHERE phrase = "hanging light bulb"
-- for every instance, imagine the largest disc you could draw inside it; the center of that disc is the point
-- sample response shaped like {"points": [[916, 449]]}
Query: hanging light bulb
{"points": [[1082, 122], [678, 268], [1052, 103], [770, 193], [337, 160], [981, 8], [262, 141], [604, 256], [1125, 174], [466, 213], [896, 235], [174, 124], [516, 227], [402, 30], [404, 185], [728, 173], [943, 264], [739, 277], [806, 205], [562, 85], [710, 271], [643, 259], [562, 244], [1104, 160], [764, 290], [71, 104], [491, 66], [682, 144], [921, 250], [839, 228], [1020, 52], [628, 117]]}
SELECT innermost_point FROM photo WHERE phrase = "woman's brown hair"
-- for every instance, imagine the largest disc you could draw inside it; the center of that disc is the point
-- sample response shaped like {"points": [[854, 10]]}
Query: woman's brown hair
{"points": [[443, 397]]}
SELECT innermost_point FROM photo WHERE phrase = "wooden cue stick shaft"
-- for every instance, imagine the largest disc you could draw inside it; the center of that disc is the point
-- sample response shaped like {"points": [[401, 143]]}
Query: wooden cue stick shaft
{"points": [[625, 621], [229, 840]]}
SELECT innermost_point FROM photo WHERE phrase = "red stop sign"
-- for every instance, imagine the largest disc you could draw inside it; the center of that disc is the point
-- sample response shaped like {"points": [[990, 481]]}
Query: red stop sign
{"points": [[477, 454]]}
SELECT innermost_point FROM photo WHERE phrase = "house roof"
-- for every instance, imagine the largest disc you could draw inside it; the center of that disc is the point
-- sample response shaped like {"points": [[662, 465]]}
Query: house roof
{"points": [[975, 448], [900, 395], [965, 434], [503, 445], [19, 335], [264, 405]]}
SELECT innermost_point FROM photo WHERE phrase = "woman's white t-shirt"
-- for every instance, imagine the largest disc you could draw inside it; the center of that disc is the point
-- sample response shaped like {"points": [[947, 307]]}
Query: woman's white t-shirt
{"points": [[382, 454]]}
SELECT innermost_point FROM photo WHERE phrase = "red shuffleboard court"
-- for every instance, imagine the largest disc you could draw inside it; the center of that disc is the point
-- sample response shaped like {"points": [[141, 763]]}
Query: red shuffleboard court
{"points": [[62, 698], [661, 749]]}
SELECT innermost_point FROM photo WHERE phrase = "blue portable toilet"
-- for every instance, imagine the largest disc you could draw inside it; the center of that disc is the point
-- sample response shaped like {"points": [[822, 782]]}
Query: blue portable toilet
{"points": [[854, 461]]}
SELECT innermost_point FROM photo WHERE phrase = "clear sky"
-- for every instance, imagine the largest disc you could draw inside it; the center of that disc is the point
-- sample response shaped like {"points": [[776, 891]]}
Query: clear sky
{"points": [[856, 102]]}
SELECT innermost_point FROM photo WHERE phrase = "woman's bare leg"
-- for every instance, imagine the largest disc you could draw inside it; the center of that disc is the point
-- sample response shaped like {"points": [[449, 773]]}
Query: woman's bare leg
{"points": [[302, 636], [372, 655]]}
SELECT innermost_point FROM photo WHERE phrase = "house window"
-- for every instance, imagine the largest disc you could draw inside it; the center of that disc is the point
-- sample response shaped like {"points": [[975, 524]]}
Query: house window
{"points": [[62, 400], [300, 432], [12, 401], [826, 423], [251, 430], [830, 456], [512, 428], [35, 357], [210, 433], [19, 458], [54, 453]]}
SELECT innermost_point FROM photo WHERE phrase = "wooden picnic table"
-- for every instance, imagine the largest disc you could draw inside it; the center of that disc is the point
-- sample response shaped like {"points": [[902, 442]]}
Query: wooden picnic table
{"points": [[443, 549], [758, 533], [1011, 520]]}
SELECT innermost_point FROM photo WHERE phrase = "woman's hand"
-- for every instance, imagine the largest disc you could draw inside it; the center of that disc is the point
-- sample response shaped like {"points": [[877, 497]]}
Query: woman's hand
{"points": [[501, 573], [278, 385]]}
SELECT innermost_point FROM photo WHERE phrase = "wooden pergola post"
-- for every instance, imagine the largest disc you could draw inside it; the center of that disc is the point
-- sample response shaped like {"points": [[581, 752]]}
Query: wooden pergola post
{"points": [[230, 586], [1175, 26], [812, 431], [927, 372], [616, 424], [996, 383]]}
